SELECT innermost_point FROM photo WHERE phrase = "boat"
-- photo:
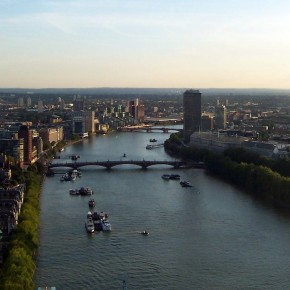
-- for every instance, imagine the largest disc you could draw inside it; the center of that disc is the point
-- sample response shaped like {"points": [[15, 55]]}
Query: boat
{"points": [[89, 223], [149, 147], [175, 176], [73, 177], [98, 225], [73, 192], [65, 177], [85, 191], [166, 176], [106, 226], [103, 215], [153, 140], [92, 203], [185, 184], [144, 233]]}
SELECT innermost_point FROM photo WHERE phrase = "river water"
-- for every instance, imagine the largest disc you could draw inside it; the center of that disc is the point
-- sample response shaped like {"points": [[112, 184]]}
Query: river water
{"points": [[209, 236]]}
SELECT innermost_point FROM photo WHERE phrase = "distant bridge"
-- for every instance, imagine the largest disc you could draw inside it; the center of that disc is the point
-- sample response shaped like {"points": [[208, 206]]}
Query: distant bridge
{"points": [[144, 164], [148, 129]]}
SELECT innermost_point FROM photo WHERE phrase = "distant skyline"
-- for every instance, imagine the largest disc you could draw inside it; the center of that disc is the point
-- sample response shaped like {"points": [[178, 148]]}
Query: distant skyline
{"points": [[145, 44]]}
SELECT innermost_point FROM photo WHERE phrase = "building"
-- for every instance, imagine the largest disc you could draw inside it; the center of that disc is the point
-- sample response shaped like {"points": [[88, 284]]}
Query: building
{"points": [[37, 143], [220, 117], [11, 200], [28, 102], [136, 110], [83, 123], [218, 142], [90, 122], [14, 148], [78, 105], [206, 122], [51, 134], [20, 102], [26, 134], [191, 113], [40, 106]]}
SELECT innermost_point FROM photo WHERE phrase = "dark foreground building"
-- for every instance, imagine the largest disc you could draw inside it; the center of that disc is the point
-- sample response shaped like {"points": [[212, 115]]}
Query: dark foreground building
{"points": [[191, 113]]}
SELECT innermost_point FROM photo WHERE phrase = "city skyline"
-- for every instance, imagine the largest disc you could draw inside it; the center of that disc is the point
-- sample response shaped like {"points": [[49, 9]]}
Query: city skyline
{"points": [[148, 44]]}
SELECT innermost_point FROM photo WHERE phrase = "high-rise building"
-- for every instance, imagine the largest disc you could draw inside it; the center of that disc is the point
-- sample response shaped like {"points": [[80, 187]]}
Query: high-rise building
{"points": [[191, 113], [206, 122], [90, 122], [220, 117], [40, 106], [136, 110], [79, 105], [26, 133], [20, 102], [28, 102]]}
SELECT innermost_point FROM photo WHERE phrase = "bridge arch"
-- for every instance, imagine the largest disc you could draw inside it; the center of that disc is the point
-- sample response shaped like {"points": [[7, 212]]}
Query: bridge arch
{"points": [[144, 164]]}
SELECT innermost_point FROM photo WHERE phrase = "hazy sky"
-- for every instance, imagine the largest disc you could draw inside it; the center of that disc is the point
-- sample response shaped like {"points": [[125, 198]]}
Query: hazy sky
{"points": [[145, 43]]}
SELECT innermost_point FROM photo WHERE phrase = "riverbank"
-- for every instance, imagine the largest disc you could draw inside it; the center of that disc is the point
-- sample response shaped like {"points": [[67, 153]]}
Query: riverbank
{"points": [[20, 264], [254, 174]]}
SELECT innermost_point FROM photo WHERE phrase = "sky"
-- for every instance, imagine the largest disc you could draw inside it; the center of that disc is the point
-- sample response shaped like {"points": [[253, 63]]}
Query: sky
{"points": [[145, 44]]}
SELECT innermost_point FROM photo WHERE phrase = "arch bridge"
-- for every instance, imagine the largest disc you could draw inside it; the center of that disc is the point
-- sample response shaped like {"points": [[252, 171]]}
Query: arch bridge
{"points": [[149, 129], [144, 164]]}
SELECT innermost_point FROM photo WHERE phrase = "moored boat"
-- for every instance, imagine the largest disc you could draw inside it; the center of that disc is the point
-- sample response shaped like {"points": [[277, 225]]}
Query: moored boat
{"points": [[89, 223], [98, 225], [106, 226], [92, 203], [73, 192], [85, 191]]}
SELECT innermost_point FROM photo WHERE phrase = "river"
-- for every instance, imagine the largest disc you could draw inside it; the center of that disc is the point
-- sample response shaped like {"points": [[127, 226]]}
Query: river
{"points": [[209, 236]]}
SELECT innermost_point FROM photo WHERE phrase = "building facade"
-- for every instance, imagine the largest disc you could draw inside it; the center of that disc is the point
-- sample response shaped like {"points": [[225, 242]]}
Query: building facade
{"points": [[26, 134], [220, 117], [191, 113], [136, 110], [14, 148]]}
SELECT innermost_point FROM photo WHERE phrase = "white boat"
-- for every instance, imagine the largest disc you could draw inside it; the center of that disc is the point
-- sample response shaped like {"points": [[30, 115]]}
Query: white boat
{"points": [[106, 226], [89, 223]]}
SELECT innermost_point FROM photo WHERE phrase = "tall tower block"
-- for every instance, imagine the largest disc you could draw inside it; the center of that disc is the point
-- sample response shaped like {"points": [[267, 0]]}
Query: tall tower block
{"points": [[191, 112]]}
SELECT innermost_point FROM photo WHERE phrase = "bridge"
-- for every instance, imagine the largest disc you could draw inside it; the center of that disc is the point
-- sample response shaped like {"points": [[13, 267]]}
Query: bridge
{"points": [[148, 129], [144, 164]]}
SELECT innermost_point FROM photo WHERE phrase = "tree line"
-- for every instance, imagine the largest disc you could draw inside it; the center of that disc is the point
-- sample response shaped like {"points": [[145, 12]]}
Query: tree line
{"points": [[19, 266], [266, 177]]}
